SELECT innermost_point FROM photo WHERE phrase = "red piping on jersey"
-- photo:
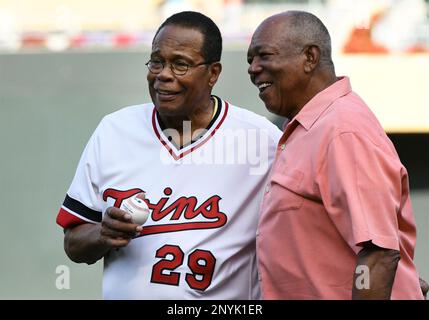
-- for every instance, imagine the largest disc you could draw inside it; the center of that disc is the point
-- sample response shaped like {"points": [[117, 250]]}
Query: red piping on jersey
{"points": [[198, 144]]}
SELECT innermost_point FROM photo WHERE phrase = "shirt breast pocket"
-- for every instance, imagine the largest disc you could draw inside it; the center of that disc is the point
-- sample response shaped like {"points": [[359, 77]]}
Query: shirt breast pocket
{"points": [[285, 191]]}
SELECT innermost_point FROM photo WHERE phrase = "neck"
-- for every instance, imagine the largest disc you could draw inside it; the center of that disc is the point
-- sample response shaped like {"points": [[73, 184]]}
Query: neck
{"points": [[315, 85], [186, 125]]}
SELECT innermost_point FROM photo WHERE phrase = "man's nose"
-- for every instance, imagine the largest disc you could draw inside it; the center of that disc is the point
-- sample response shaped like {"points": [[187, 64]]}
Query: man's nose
{"points": [[166, 73], [254, 67]]}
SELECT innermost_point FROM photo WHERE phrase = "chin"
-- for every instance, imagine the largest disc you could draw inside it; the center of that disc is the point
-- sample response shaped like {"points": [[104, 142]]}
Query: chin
{"points": [[165, 107], [272, 108]]}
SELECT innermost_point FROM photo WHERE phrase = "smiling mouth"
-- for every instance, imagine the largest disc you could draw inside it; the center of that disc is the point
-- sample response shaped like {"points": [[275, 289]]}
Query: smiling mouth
{"points": [[166, 95], [263, 85], [166, 92]]}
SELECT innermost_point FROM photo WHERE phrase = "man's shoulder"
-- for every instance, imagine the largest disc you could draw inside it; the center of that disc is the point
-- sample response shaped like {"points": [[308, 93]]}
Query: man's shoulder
{"points": [[129, 114], [351, 114], [127, 117], [144, 109], [249, 118], [246, 119]]}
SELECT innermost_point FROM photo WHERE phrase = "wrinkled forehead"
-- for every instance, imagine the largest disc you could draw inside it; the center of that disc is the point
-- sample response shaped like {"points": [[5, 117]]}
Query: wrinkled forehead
{"points": [[263, 32], [270, 33], [179, 38], [277, 31]]}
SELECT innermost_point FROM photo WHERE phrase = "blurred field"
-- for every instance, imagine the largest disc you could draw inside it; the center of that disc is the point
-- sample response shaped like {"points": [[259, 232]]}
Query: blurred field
{"points": [[395, 86], [49, 106]]}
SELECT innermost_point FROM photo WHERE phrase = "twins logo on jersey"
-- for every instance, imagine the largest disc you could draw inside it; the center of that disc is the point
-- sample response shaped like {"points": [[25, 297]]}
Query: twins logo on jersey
{"points": [[205, 216]]}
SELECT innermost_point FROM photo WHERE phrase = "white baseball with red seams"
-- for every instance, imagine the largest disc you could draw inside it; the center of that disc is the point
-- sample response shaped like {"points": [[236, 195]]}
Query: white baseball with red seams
{"points": [[137, 208]]}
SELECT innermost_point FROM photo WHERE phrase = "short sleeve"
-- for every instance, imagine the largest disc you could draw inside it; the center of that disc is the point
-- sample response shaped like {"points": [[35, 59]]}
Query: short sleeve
{"points": [[83, 201], [360, 183]]}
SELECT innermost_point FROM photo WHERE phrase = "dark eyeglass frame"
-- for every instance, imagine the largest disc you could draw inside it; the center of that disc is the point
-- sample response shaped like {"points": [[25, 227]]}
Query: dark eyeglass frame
{"points": [[173, 67]]}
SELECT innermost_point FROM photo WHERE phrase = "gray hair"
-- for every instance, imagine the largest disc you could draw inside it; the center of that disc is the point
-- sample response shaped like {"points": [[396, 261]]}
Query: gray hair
{"points": [[307, 29]]}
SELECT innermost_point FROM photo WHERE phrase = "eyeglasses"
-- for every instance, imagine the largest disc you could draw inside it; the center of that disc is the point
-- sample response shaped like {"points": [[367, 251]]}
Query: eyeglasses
{"points": [[178, 68]]}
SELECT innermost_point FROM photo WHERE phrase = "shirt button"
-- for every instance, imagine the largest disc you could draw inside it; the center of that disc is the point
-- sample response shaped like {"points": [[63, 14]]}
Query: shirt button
{"points": [[283, 146], [257, 233], [267, 188]]}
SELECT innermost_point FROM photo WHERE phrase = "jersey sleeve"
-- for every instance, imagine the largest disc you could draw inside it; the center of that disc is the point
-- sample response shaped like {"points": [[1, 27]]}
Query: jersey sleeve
{"points": [[83, 201], [361, 186]]}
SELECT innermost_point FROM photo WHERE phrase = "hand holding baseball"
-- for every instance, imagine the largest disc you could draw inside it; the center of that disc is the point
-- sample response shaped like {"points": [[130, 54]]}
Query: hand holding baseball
{"points": [[120, 226], [137, 208]]}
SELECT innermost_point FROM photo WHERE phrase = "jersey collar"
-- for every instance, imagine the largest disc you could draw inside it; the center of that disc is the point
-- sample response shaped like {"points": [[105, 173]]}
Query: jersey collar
{"points": [[178, 153]]}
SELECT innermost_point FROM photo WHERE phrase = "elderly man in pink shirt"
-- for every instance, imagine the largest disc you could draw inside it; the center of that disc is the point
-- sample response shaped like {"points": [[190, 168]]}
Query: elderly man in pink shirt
{"points": [[336, 219]]}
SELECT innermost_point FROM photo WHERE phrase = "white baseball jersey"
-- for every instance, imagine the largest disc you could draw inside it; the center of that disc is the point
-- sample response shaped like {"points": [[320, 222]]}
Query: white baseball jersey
{"points": [[199, 241]]}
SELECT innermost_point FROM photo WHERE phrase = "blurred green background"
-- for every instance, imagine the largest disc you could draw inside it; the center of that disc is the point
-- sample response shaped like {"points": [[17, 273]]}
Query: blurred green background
{"points": [[49, 105]]}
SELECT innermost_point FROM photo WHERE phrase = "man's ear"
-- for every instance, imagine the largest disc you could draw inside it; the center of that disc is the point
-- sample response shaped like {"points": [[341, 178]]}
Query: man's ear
{"points": [[312, 58], [214, 69]]}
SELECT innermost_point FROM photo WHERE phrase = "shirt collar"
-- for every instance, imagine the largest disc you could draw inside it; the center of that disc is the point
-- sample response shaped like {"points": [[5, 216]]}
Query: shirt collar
{"points": [[321, 101]]}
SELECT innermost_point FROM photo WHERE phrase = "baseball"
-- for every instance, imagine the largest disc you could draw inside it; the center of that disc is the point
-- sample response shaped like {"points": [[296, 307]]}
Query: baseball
{"points": [[137, 208]]}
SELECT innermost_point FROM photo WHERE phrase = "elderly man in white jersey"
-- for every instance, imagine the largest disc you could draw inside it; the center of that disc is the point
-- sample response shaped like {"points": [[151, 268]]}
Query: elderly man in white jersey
{"points": [[202, 164]]}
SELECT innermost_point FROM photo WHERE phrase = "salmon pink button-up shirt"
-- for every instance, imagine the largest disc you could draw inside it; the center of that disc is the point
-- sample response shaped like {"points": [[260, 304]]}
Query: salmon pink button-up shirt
{"points": [[337, 181]]}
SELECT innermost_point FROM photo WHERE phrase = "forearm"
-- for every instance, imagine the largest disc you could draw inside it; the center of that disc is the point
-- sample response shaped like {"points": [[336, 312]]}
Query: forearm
{"points": [[84, 244], [381, 265], [424, 286]]}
